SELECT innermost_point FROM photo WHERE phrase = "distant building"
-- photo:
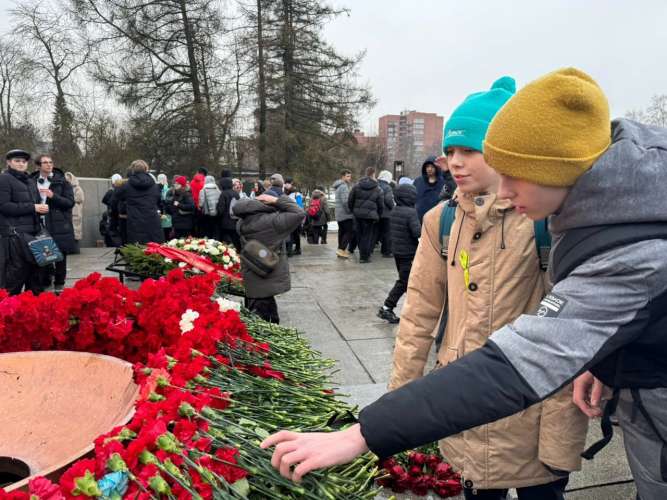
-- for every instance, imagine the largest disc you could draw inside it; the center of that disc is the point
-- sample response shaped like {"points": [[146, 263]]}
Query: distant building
{"points": [[409, 138]]}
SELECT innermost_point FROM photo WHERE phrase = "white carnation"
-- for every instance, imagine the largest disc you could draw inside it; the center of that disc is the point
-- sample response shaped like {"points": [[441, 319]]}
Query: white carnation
{"points": [[226, 304], [187, 320]]}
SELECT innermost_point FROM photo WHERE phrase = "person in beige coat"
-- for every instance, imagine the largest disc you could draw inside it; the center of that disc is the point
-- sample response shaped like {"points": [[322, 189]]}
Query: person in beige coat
{"points": [[77, 210], [489, 276]]}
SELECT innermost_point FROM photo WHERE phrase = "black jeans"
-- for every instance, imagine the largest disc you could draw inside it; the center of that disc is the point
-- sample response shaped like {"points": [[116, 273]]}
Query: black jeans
{"points": [[345, 233], [549, 491], [265, 308], [57, 272], [365, 230], [19, 271], [403, 266], [317, 233], [294, 242], [384, 236]]}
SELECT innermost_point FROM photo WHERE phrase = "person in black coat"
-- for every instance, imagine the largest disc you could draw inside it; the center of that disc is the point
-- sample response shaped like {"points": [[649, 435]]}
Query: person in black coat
{"points": [[181, 206], [429, 185], [58, 194], [228, 198], [366, 202], [142, 197], [405, 230], [20, 208]]}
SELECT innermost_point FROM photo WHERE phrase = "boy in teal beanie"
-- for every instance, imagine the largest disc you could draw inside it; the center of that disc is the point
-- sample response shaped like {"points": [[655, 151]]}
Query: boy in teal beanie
{"points": [[467, 125]]}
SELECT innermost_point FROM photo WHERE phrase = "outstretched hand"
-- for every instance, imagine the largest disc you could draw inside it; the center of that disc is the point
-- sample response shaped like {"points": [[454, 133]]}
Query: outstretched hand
{"points": [[297, 453]]}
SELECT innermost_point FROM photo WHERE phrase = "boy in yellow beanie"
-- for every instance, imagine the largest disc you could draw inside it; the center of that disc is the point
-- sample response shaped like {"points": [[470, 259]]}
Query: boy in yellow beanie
{"points": [[605, 320]]}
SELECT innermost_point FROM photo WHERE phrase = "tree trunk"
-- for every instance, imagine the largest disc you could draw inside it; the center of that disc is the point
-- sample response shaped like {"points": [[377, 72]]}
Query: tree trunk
{"points": [[203, 156], [288, 70], [261, 93]]}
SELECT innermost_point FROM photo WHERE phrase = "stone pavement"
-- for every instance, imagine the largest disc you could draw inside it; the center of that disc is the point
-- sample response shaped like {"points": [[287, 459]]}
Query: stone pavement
{"points": [[334, 303]]}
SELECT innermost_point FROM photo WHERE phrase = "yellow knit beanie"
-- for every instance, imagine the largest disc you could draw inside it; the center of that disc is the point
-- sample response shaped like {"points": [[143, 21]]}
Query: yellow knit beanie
{"points": [[551, 131]]}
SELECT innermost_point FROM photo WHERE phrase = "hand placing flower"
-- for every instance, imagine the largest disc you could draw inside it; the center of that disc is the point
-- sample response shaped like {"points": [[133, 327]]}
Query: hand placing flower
{"points": [[309, 451]]}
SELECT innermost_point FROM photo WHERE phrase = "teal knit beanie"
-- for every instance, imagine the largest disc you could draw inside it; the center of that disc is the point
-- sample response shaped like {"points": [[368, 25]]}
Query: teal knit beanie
{"points": [[467, 125]]}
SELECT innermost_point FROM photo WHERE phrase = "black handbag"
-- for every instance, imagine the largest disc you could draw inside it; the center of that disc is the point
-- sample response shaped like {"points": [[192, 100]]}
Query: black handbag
{"points": [[256, 256]]}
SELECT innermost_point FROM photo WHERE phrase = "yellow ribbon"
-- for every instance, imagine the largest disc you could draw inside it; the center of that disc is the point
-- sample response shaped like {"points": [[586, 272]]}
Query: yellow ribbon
{"points": [[464, 260]]}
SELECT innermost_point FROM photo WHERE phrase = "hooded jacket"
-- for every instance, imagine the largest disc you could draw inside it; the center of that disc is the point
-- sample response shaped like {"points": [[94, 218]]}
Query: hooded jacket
{"points": [[366, 200], [609, 304], [142, 199], [404, 227], [225, 202], [270, 225], [196, 185], [59, 219], [342, 192], [77, 209], [209, 196], [387, 198], [504, 281], [428, 194]]}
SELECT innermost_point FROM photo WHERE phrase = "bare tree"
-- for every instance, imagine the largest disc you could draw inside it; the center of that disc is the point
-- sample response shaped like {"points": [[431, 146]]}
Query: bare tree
{"points": [[51, 39], [161, 59], [654, 114]]}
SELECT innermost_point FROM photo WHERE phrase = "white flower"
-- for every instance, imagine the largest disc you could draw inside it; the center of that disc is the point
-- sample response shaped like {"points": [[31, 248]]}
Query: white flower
{"points": [[226, 304], [181, 242], [187, 320], [214, 251], [168, 260], [196, 271], [182, 264], [226, 259], [172, 243]]}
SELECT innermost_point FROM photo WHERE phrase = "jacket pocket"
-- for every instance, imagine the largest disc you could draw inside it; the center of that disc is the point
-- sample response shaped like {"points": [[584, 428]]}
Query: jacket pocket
{"points": [[448, 355]]}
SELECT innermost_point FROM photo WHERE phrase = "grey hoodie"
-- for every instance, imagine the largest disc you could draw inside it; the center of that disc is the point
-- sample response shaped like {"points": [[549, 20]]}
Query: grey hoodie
{"points": [[614, 300]]}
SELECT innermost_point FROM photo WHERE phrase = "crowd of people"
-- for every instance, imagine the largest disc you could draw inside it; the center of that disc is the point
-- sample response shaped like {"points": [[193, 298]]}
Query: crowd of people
{"points": [[526, 336]]}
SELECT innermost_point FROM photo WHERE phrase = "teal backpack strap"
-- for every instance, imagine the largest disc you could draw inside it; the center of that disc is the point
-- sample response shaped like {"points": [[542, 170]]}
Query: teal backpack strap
{"points": [[446, 222], [543, 242]]}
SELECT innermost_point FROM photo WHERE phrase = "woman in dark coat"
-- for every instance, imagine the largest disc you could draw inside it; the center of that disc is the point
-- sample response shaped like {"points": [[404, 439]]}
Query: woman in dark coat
{"points": [[58, 194], [142, 197], [228, 197], [181, 206]]}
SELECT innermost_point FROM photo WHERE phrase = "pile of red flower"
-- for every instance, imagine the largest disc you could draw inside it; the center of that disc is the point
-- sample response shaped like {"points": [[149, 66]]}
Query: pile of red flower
{"points": [[166, 448], [420, 471], [101, 315]]}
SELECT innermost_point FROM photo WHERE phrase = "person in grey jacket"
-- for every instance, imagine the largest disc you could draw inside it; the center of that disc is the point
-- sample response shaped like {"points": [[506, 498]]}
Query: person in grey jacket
{"points": [[344, 216], [383, 236], [269, 220], [603, 323], [208, 204]]}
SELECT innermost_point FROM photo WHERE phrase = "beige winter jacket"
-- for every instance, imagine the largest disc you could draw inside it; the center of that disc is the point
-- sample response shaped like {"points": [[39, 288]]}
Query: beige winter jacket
{"points": [[77, 209], [504, 281]]}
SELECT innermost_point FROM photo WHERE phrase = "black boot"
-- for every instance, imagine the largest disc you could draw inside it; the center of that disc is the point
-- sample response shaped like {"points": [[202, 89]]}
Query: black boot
{"points": [[388, 315]]}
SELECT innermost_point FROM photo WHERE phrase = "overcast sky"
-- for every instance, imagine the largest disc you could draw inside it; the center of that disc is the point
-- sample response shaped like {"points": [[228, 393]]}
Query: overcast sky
{"points": [[429, 54]]}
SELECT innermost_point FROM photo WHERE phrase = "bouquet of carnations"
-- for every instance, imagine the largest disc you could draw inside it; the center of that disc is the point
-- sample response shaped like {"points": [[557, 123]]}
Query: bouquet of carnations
{"points": [[192, 255]]}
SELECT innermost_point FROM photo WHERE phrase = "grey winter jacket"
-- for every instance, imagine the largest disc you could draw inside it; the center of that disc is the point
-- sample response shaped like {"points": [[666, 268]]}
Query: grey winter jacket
{"points": [[612, 303], [208, 198], [271, 225], [388, 198], [342, 190]]}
